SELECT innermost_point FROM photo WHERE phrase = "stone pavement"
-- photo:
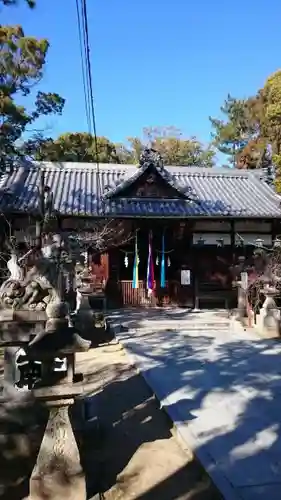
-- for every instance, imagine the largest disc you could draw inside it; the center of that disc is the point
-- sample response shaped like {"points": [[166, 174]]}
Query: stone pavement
{"points": [[134, 454], [221, 387]]}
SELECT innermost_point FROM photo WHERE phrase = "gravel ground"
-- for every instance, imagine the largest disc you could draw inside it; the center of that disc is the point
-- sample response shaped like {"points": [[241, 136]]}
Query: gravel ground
{"points": [[135, 455]]}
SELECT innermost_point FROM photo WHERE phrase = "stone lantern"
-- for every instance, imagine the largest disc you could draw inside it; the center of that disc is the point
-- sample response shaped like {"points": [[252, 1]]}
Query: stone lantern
{"points": [[269, 317], [57, 472]]}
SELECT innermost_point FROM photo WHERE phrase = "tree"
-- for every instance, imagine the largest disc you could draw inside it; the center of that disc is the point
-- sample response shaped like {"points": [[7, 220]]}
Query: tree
{"points": [[30, 3], [22, 61], [232, 134], [250, 125], [270, 121], [72, 147], [81, 147], [125, 155], [173, 147]]}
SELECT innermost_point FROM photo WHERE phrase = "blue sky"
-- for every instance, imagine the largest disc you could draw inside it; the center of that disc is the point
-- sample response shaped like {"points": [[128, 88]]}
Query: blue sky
{"points": [[155, 62]]}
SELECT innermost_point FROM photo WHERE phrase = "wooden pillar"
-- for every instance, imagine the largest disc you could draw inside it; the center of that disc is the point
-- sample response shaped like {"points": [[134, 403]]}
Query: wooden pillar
{"points": [[196, 294], [232, 235], [41, 217], [194, 278], [274, 229]]}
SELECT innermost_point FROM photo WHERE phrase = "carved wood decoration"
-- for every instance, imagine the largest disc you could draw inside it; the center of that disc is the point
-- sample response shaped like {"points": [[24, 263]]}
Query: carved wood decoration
{"points": [[150, 185], [149, 189]]}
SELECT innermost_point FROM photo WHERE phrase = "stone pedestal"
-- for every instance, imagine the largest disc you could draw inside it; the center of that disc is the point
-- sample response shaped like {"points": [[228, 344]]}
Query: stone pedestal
{"points": [[241, 312], [84, 318], [58, 472], [92, 325], [84, 304], [241, 302]]}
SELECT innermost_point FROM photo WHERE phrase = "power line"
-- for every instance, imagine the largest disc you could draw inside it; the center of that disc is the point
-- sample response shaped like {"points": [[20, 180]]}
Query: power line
{"points": [[85, 88], [88, 64], [87, 83]]}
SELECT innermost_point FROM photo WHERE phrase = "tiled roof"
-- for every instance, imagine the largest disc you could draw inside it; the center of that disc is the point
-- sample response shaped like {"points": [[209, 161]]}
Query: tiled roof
{"points": [[138, 172], [215, 192]]}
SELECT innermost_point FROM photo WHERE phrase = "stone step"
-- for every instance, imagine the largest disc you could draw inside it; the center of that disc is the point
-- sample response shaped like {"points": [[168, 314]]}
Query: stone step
{"points": [[184, 325], [197, 324], [178, 328]]}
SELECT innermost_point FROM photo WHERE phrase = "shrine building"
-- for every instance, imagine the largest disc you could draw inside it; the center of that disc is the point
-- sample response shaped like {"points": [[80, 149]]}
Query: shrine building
{"points": [[184, 226]]}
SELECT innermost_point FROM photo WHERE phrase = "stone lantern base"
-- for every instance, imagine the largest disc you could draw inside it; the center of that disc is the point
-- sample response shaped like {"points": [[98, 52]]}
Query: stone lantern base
{"points": [[58, 472]]}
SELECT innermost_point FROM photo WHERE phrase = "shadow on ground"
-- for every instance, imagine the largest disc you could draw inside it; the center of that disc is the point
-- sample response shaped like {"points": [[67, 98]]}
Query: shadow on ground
{"points": [[137, 451], [227, 386], [174, 487], [22, 424], [133, 453]]}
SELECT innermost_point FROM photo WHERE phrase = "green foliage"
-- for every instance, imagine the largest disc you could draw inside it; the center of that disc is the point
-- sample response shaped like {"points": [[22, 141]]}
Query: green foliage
{"points": [[30, 3], [277, 164], [71, 147], [22, 61], [80, 147], [232, 134], [173, 147], [270, 97], [250, 125]]}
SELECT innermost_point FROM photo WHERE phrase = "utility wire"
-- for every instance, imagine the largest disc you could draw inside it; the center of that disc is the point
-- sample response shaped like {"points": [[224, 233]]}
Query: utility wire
{"points": [[88, 64], [88, 84], [82, 19], [85, 87], [92, 106]]}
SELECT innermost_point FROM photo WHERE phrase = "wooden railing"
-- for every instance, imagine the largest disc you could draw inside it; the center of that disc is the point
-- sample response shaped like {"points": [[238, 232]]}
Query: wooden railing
{"points": [[135, 296], [139, 296], [174, 294]]}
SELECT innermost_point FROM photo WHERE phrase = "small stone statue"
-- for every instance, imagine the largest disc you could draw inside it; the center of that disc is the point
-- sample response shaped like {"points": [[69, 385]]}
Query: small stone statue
{"points": [[16, 272]]}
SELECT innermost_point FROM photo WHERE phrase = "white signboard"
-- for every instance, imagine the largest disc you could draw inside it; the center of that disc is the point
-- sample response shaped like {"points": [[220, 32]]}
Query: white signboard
{"points": [[185, 277]]}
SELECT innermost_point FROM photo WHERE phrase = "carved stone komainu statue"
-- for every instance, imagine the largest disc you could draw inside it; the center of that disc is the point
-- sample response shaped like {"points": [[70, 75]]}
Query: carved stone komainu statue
{"points": [[35, 291]]}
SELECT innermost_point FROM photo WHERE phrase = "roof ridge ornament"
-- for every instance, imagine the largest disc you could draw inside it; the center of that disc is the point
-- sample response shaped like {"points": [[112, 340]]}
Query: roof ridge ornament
{"points": [[150, 156]]}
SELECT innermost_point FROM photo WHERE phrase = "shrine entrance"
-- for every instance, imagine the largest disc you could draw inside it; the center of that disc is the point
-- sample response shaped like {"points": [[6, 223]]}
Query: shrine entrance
{"points": [[170, 250], [197, 272]]}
